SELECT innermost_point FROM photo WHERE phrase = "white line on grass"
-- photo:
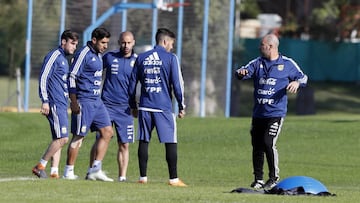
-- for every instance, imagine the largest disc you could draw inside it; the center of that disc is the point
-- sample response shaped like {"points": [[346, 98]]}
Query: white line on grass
{"points": [[16, 179]]}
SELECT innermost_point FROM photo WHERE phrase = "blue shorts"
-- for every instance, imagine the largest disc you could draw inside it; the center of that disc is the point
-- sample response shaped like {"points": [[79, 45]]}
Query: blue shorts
{"points": [[59, 121], [123, 121], [164, 122], [93, 115]]}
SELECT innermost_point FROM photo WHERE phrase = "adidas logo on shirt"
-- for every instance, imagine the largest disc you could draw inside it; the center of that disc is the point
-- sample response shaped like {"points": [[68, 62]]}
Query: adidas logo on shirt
{"points": [[152, 59]]}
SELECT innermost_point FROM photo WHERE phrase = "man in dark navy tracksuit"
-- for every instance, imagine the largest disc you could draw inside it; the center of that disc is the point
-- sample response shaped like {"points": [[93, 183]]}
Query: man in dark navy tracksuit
{"points": [[159, 73], [273, 75]]}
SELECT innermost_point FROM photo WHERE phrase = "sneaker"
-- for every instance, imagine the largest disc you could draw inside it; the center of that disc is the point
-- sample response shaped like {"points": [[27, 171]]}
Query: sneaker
{"points": [[99, 175], [122, 179], [142, 181], [70, 177], [87, 176], [257, 184], [271, 183], [54, 176], [39, 171], [178, 183]]}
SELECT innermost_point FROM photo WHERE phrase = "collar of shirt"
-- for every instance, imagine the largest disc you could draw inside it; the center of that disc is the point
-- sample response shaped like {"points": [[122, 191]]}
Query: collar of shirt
{"points": [[121, 54], [91, 46], [269, 63], [61, 50], [160, 47]]}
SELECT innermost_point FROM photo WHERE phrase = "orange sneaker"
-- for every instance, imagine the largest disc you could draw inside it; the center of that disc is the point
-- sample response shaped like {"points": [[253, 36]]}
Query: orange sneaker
{"points": [[39, 171], [54, 176], [142, 181], [179, 183]]}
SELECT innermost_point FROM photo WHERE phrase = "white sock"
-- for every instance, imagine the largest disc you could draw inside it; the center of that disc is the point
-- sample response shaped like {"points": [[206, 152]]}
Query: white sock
{"points": [[143, 178], [96, 166], [43, 162], [69, 170], [122, 178], [54, 170], [174, 180]]}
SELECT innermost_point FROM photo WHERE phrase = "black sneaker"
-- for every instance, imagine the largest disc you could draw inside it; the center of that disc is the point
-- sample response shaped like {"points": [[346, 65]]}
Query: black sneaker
{"points": [[257, 184], [39, 171], [271, 183]]}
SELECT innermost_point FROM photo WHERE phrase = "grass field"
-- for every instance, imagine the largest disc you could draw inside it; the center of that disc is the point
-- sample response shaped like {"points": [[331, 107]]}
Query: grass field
{"points": [[214, 158], [330, 97]]}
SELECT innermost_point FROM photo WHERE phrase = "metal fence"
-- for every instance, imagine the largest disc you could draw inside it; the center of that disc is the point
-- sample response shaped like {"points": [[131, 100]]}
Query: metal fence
{"points": [[48, 17]]}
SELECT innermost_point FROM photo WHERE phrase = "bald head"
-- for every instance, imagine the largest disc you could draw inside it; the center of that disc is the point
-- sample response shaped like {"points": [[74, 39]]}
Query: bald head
{"points": [[126, 34], [126, 42], [272, 39], [269, 47]]}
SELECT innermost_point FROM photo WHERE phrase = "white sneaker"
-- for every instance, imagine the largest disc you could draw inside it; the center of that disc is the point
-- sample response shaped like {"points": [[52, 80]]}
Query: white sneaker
{"points": [[71, 177], [88, 177], [122, 179], [257, 184], [99, 175]]}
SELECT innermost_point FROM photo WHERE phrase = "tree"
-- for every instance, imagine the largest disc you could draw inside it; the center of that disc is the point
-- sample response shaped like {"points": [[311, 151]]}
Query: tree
{"points": [[324, 19], [12, 35], [248, 9]]}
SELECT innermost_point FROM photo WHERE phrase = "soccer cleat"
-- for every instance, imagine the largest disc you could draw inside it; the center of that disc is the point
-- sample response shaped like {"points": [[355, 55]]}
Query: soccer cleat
{"points": [[39, 171], [54, 176], [142, 180], [271, 183], [257, 184], [122, 179], [70, 177], [87, 177], [99, 175], [178, 183]]}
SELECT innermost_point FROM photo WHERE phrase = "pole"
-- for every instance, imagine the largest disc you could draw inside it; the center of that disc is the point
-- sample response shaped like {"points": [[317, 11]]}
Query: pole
{"points": [[179, 42], [18, 88], [204, 59], [62, 19], [180, 30], [28, 55], [124, 18], [154, 23], [93, 13], [229, 59]]}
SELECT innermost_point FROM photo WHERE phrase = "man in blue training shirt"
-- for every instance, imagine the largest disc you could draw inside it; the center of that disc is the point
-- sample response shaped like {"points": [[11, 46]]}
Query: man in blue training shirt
{"points": [[159, 73], [115, 95], [88, 110], [54, 96], [273, 75]]}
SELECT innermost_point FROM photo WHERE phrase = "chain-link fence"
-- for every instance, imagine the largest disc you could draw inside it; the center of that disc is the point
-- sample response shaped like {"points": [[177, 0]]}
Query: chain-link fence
{"points": [[46, 31]]}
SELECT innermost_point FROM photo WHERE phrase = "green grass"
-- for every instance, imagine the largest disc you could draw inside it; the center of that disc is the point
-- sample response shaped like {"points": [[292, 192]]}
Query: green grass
{"points": [[214, 158], [330, 97]]}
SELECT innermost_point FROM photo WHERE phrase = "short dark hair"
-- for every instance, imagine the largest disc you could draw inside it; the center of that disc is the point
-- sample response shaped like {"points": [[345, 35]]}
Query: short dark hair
{"points": [[100, 33], [68, 34], [162, 32]]}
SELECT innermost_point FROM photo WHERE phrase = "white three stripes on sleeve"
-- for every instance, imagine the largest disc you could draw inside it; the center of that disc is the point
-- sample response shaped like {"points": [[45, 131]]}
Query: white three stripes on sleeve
{"points": [[45, 74], [77, 67]]}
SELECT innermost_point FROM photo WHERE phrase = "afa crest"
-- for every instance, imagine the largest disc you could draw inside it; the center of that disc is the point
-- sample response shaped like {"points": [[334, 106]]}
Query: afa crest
{"points": [[83, 129], [63, 130], [280, 67]]}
